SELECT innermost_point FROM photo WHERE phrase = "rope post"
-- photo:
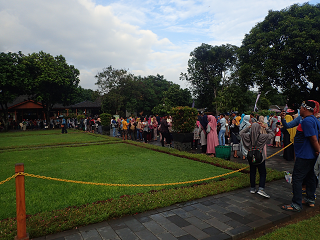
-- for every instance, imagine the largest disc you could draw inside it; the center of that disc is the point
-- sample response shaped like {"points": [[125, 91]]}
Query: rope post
{"points": [[20, 204]]}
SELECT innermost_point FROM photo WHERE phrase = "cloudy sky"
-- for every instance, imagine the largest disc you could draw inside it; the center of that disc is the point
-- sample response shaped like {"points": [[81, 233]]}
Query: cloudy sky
{"points": [[147, 37]]}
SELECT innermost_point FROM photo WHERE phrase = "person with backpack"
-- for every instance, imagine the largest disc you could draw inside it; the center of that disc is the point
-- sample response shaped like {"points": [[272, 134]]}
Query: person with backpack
{"points": [[253, 141]]}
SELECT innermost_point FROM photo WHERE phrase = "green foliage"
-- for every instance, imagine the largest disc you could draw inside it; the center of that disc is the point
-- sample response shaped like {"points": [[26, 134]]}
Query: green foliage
{"points": [[264, 112], [283, 51], [12, 80], [105, 119], [208, 70], [79, 117], [183, 119]]}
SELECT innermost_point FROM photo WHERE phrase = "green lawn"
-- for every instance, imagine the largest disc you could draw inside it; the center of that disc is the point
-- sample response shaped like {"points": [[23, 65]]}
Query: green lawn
{"points": [[109, 163], [32, 138]]}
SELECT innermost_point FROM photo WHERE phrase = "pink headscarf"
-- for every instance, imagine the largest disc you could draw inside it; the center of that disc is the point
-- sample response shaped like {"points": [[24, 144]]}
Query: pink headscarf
{"points": [[212, 122]]}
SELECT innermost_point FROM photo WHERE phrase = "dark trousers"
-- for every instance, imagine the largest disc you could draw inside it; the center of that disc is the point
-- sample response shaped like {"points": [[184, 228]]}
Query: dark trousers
{"points": [[64, 129], [288, 153], [165, 135], [145, 135], [262, 172], [303, 171]]}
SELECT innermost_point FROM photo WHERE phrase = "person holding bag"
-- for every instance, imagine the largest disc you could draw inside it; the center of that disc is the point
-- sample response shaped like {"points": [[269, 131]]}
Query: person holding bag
{"points": [[258, 140]]}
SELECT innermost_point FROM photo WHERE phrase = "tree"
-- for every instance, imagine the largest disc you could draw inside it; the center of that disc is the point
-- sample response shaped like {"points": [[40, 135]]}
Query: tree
{"points": [[283, 51], [208, 69], [52, 80], [12, 80]]}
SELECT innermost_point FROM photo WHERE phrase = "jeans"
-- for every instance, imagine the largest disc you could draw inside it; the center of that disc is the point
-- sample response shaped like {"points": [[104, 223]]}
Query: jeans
{"points": [[303, 170], [114, 132], [139, 134], [262, 172], [222, 140]]}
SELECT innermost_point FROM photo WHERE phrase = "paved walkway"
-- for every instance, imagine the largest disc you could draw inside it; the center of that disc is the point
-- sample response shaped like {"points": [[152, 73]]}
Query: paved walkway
{"points": [[231, 215]]}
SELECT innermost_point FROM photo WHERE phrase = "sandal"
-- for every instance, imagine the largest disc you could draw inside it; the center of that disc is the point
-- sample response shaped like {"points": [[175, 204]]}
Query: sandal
{"points": [[289, 208], [310, 204]]}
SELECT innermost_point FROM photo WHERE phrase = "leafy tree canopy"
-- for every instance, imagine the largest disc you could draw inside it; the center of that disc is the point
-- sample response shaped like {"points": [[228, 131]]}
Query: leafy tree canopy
{"points": [[208, 69], [283, 51]]}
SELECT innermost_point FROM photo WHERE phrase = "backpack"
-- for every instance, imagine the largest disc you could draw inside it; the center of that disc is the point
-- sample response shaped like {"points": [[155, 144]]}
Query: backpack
{"points": [[254, 155]]}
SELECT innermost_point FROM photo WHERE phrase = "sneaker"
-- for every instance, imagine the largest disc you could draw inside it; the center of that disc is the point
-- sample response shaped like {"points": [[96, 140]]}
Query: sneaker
{"points": [[252, 190], [263, 194]]}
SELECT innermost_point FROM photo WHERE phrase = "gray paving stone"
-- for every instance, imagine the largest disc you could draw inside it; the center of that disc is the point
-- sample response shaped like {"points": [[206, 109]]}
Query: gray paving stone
{"points": [[182, 213], [59, 238], [168, 225], [135, 225], [180, 222], [166, 236], [154, 227], [187, 237], [212, 231], [146, 235], [188, 208], [219, 225], [219, 216], [219, 209], [242, 230], [201, 207], [107, 233], [234, 223], [127, 234], [61, 234], [90, 234], [278, 218], [142, 219], [222, 236], [199, 214], [257, 212], [76, 236], [260, 223], [238, 218], [237, 210], [168, 214], [197, 222], [196, 232]]}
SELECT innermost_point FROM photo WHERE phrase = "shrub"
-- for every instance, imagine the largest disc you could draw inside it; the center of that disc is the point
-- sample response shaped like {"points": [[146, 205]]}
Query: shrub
{"points": [[105, 119], [79, 117], [183, 119]]}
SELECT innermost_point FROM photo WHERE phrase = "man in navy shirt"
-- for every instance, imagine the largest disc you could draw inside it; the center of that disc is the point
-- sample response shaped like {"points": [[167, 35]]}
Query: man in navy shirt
{"points": [[307, 149]]}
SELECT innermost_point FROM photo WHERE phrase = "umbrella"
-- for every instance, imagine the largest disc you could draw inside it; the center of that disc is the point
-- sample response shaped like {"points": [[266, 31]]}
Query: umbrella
{"points": [[275, 110]]}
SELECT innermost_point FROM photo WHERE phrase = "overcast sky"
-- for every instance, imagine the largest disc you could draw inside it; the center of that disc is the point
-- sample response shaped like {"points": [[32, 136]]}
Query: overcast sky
{"points": [[147, 37]]}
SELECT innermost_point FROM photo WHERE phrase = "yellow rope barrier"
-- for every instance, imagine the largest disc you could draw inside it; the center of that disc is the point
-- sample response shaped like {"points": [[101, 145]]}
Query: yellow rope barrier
{"points": [[132, 185]]}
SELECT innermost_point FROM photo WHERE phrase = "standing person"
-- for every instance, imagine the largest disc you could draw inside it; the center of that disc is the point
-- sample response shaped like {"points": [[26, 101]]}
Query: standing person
{"points": [[132, 129], [93, 124], [260, 140], [212, 137], [114, 126], [196, 135], [273, 124], [155, 129], [99, 125], [145, 126], [164, 130], [244, 124], [139, 129], [234, 134], [124, 129], [203, 119], [307, 149], [64, 126], [278, 135], [222, 132]]}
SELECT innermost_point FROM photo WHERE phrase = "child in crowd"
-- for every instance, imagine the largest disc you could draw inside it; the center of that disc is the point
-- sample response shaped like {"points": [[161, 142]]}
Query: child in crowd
{"points": [[278, 135]]}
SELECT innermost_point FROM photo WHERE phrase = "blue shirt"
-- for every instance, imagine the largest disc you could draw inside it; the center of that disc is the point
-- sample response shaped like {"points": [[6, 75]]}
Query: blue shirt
{"points": [[295, 122], [309, 126]]}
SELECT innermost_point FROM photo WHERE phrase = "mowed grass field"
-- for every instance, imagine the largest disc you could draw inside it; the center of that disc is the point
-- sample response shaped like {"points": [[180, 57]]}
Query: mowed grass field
{"points": [[107, 163]]}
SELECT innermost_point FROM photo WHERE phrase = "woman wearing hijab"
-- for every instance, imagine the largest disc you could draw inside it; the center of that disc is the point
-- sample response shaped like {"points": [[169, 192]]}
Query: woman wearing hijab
{"points": [[203, 119], [244, 124], [255, 137], [263, 131], [212, 137]]}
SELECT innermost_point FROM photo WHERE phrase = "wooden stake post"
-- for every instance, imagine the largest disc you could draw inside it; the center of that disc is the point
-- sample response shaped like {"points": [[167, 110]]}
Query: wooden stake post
{"points": [[21, 204]]}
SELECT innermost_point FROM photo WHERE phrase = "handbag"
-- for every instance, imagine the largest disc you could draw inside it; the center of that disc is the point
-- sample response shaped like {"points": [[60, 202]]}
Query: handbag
{"points": [[237, 136], [254, 155]]}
